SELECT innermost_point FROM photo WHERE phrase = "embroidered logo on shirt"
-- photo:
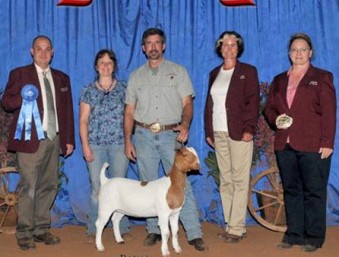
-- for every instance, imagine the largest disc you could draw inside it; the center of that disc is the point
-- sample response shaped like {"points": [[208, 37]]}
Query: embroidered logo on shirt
{"points": [[171, 75], [64, 89], [313, 83], [242, 77]]}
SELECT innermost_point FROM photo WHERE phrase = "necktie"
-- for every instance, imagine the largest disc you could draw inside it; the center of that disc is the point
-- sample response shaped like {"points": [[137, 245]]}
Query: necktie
{"points": [[51, 120]]}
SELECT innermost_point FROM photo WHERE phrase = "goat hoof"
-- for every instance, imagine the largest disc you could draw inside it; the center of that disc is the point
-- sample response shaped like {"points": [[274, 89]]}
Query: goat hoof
{"points": [[101, 248], [121, 242], [178, 250]]}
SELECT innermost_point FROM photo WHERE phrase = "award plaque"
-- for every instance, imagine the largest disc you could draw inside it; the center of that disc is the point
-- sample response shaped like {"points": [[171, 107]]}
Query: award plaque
{"points": [[284, 121]]}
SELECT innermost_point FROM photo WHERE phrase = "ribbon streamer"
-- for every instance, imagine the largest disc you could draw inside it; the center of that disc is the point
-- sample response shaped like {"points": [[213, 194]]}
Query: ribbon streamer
{"points": [[29, 108]]}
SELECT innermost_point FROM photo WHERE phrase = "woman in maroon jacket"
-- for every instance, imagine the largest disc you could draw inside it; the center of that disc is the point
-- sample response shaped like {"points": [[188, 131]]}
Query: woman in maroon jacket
{"points": [[231, 115], [302, 107]]}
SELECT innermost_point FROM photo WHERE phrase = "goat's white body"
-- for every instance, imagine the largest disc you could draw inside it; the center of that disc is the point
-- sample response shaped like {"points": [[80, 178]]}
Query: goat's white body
{"points": [[143, 201], [122, 196]]}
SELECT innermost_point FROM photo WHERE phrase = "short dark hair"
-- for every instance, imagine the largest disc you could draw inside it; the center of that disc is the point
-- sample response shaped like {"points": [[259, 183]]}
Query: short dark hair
{"points": [[151, 32], [42, 36], [110, 54], [238, 38], [300, 36]]}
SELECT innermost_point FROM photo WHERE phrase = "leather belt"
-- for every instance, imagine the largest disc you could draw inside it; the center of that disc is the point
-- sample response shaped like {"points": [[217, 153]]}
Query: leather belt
{"points": [[156, 127]]}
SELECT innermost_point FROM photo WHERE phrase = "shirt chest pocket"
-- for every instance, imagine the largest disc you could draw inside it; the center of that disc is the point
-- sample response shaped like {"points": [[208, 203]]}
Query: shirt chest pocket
{"points": [[169, 87]]}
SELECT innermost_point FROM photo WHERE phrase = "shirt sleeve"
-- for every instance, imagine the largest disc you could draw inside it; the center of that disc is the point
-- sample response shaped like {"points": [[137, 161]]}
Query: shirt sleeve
{"points": [[186, 87], [85, 95], [130, 96]]}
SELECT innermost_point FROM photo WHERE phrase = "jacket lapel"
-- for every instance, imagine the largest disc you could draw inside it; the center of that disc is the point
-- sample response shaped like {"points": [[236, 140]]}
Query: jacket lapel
{"points": [[236, 75], [35, 81], [299, 94]]}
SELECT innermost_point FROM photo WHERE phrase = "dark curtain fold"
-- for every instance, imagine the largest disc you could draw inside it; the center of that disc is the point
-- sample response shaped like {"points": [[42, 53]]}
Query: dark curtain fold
{"points": [[191, 28]]}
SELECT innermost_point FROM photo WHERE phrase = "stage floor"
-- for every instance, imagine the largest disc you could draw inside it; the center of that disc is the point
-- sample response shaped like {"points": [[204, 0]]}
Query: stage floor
{"points": [[259, 242]]}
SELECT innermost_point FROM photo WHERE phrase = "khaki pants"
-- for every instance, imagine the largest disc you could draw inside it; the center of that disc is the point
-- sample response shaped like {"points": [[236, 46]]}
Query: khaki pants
{"points": [[234, 161], [38, 188]]}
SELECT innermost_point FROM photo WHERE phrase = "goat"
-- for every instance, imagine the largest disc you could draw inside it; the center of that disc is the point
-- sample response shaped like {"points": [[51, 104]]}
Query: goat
{"points": [[163, 197]]}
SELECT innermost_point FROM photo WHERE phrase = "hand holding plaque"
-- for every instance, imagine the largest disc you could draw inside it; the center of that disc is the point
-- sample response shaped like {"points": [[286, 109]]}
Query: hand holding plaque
{"points": [[283, 121]]}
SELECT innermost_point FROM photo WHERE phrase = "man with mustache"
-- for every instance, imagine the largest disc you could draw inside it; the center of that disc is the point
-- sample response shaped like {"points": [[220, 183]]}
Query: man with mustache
{"points": [[159, 104]]}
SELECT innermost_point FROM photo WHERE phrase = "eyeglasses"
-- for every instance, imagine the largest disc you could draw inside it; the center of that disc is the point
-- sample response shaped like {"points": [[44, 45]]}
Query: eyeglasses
{"points": [[105, 63], [297, 50]]}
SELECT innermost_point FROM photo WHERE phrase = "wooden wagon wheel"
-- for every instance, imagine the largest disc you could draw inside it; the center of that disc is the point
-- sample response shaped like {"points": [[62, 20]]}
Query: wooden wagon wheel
{"points": [[8, 196], [267, 204]]}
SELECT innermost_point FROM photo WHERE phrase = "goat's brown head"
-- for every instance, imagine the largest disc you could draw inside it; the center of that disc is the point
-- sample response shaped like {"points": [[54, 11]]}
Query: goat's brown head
{"points": [[186, 159]]}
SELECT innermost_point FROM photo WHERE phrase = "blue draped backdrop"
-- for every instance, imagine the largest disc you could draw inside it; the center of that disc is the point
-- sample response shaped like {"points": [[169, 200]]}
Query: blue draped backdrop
{"points": [[191, 26]]}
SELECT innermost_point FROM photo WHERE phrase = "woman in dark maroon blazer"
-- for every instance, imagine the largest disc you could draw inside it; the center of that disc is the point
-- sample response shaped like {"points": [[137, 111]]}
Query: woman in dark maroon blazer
{"points": [[302, 107], [231, 115]]}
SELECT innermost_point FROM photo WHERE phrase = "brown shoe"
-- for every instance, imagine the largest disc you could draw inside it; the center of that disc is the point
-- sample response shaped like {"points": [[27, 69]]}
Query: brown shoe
{"points": [[229, 238], [198, 244], [224, 235], [152, 239], [309, 248], [47, 238], [90, 239], [127, 237], [284, 245], [26, 243], [221, 236]]}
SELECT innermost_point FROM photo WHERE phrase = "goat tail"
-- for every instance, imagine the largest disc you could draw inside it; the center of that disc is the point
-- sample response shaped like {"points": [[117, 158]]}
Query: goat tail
{"points": [[103, 177]]}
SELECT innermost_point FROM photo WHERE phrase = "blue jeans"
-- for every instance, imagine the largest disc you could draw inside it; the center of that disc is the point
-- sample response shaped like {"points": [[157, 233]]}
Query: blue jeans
{"points": [[118, 165], [152, 149]]}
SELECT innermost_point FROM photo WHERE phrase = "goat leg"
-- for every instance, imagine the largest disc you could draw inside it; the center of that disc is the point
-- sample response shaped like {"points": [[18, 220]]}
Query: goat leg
{"points": [[116, 218], [163, 224], [174, 222]]}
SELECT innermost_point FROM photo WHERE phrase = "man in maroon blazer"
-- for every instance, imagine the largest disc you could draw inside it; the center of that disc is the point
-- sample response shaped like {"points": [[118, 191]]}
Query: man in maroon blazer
{"points": [[39, 157]]}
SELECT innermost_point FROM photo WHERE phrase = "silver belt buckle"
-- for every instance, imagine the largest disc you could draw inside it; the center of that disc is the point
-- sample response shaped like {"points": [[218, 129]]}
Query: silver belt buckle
{"points": [[155, 127]]}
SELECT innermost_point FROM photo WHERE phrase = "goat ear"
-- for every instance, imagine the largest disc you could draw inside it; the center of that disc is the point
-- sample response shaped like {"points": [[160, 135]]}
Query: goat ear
{"points": [[183, 151], [180, 161]]}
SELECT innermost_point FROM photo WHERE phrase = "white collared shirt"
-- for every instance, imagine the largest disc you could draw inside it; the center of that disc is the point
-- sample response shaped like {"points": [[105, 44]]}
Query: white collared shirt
{"points": [[43, 94]]}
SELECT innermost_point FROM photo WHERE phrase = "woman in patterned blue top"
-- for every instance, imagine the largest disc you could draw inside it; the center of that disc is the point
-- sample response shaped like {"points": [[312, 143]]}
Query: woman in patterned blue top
{"points": [[101, 131]]}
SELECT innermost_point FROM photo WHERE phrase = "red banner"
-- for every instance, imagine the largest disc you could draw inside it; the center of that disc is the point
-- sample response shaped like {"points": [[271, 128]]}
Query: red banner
{"points": [[75, 2], [88, 2], [237, 2]]}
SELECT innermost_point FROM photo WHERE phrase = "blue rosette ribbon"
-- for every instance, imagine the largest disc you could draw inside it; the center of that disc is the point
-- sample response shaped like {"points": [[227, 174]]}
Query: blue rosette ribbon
{"points": [[29, 109]]}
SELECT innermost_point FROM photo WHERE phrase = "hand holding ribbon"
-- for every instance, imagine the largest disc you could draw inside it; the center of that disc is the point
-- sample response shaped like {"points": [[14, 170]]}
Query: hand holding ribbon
{"points": [[28, 109]]}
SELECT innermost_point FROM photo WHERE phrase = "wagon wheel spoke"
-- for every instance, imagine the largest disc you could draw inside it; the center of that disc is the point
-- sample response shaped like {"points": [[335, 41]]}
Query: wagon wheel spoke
{"points": [[266, 206], [4, 186], [273, 180], [4, 217], [15, 207], [278, 214], [260, 192]]}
